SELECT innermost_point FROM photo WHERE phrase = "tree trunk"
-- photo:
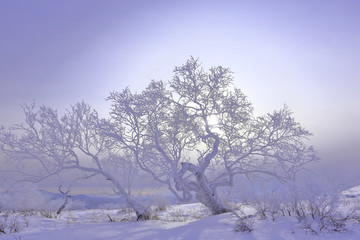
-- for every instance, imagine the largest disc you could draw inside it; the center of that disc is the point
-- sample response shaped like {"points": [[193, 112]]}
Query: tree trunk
{"points": [[208, 195], [141, 211], [66, 196], [63, 206]]}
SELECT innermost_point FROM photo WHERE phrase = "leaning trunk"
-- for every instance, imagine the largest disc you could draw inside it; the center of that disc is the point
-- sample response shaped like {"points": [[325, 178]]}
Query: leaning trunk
{"points": [[208, 195], [141, 211]]}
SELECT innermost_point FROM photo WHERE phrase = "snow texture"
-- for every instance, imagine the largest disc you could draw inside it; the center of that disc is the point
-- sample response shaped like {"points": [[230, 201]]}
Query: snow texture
{"points": [[175, 223]]}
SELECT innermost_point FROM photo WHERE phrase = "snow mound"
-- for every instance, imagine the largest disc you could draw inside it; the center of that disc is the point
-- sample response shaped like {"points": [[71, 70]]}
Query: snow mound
{"points": [[353, 192], [176, 222]]}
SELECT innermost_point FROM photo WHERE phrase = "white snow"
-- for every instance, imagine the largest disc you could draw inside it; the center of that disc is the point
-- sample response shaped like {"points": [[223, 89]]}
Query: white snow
{"points": [[352, 192], [188, 221]]}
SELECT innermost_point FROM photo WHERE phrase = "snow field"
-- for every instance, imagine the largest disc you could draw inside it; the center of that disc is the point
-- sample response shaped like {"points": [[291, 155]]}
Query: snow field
{"points": [[175, 222]]}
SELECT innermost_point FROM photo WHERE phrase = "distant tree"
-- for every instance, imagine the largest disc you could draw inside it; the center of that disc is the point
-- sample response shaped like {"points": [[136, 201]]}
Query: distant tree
{"points": [[197, 132], [66, 200], [52, 144]]}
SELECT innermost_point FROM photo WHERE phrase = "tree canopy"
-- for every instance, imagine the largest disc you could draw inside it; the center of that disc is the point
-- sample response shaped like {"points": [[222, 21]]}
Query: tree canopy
{"points": [[194, 133]]}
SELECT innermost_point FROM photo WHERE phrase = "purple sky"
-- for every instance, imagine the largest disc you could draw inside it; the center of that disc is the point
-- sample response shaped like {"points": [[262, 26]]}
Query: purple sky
{"points": [[302, 53]]}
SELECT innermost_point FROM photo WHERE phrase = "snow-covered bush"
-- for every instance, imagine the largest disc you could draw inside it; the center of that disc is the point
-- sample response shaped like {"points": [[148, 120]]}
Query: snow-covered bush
{"points": [[13, 223], [324, 213], [267, 203], [318, 210], [244, 225], [3, 224], [47, 214], [244, 222]]}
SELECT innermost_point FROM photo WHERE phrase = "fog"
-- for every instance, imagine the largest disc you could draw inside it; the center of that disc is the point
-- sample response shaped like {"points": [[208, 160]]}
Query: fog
{"points": [[304, 54]]}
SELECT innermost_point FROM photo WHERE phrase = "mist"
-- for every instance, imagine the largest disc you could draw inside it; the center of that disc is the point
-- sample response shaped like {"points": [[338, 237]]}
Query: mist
{"points": [[294, 59]]}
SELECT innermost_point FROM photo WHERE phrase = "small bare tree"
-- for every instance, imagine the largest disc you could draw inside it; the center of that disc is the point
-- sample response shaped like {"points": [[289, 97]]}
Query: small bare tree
{"points": [[51, 144], [199, 131], [66, 200]]}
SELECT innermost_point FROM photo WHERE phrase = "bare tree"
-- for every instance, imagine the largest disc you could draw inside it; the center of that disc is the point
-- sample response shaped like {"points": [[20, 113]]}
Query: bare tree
{"points": [[193, 134], [66, 200], [199, 131], [53, 144]]}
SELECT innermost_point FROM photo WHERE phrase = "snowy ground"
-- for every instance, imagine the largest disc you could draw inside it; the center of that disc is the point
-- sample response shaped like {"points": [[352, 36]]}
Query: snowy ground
{"points": [[352, 192], [188, 221]]}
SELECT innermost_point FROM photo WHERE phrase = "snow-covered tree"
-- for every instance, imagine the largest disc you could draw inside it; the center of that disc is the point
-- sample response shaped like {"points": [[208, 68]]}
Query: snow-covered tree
{"points": [[193, 134], [48, 144], [198, 131], [149, 127]]}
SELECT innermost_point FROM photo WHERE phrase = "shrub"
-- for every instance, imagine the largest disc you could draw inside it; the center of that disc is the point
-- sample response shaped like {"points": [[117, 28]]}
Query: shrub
{"points": [[244, 223], [12, 224]]}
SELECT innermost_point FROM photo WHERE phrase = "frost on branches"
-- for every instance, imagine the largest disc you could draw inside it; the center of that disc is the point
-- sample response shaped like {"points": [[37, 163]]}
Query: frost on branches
{"points": [[51, 144], [193, 134], [199, 124]]}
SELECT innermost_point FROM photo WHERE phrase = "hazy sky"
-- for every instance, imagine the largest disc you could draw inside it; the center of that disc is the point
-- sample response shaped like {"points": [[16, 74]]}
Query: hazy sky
{"points": [[304, 53]]}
